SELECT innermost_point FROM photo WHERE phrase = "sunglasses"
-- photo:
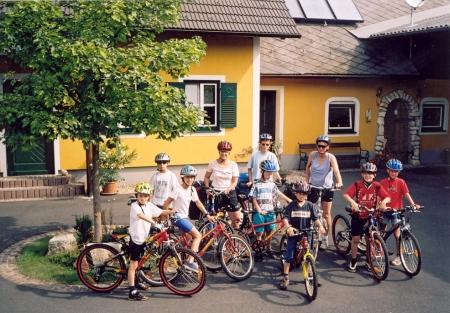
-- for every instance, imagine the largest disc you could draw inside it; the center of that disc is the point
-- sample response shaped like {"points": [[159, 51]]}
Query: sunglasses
{"points": [[321, 146], [265, 144], [369, 173], [162, 162]]}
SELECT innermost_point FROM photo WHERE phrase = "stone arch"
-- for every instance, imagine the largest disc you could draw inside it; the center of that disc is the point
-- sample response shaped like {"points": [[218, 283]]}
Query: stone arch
{"points": [[413, 125]]}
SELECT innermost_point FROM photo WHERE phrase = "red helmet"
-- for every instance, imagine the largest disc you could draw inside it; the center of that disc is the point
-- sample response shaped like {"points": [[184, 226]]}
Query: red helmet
{"points": [[224, 146]]}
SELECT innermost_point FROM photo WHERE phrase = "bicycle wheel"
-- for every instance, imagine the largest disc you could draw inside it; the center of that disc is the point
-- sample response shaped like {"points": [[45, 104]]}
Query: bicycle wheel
{"points": [[314, 243], [377, 256], [209, 246], [179, 278], [410, 253], [342, 236], [101, 268], [236, 257], [281, 250], [310, 276], [150, 270]]}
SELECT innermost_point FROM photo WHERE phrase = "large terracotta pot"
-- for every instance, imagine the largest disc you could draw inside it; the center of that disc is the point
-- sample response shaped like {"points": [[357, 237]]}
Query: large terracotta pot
{"points": [[110, 188]]}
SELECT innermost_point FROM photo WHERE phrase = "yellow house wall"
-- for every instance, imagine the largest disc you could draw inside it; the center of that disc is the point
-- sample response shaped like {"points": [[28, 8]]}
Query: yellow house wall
{"points": [[225, 56], [305, 105]]}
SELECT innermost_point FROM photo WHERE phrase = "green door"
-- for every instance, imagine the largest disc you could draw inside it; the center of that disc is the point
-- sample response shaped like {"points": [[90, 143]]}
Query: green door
{"points": [[39, 160]]}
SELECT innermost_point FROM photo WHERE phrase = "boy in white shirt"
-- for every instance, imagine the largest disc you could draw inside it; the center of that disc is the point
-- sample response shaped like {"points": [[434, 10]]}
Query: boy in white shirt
{"points": [[142, 213], [163, 181], [263, 153], [180, 199]]}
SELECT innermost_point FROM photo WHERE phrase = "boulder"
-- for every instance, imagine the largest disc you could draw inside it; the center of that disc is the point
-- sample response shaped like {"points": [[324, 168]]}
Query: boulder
{"points": [[61, 243]]}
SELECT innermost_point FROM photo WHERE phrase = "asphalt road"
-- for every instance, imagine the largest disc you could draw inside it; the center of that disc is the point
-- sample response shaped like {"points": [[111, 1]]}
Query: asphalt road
{"points": [[341, 291]]}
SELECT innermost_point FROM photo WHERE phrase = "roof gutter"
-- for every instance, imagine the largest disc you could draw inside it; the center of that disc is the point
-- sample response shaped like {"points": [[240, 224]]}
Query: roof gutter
{"points": [[242, 34]]}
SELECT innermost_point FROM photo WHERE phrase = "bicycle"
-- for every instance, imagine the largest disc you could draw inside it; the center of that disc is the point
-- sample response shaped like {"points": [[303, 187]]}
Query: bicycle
{"points": [[102, 268], [376, 251], [410, 253], [302, 257]]}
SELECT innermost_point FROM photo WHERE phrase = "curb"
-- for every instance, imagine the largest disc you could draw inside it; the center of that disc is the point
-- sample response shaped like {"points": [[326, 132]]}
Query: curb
{"points": [[10, 272]]}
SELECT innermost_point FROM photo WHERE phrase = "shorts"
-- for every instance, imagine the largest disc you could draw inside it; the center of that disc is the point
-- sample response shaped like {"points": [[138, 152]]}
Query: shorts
{"points": [[136, 251], [290, 248], [229, 202], [357, 225], [327, 195], [260, 219], [184, 224]]}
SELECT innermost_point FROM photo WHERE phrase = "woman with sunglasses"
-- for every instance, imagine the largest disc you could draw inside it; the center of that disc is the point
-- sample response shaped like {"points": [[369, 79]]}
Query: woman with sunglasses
{"points": [[319, 172]]}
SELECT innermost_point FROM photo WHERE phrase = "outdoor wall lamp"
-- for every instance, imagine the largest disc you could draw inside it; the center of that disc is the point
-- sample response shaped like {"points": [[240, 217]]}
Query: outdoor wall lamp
{"points": [[378, 95], [368, 115]]}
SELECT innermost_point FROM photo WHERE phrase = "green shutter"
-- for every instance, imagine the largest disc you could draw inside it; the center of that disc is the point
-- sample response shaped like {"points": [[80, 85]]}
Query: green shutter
{"points": [[179, 85], [228, 103]]}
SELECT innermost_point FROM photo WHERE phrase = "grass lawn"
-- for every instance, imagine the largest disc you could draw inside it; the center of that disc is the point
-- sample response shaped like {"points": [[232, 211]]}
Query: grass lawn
{"points": [[34, 263]]}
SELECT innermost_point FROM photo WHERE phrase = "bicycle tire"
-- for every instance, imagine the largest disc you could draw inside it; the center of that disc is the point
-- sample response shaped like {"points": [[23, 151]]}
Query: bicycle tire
{"points": [[314, 243], [310, 277], [101, 268], [342, 236], [410, 253], [236, 257], [177, 277], [377, 255], [210, 256]]}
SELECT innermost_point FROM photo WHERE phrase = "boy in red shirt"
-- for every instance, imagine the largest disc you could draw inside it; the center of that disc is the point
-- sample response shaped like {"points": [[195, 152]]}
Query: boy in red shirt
{"points": [[366, 192], [397, 189]]}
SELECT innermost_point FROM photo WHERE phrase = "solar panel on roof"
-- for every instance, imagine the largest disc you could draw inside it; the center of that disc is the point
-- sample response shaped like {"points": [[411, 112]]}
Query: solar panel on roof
{"points": [[345, 10], [294, 9], [317, 9]]}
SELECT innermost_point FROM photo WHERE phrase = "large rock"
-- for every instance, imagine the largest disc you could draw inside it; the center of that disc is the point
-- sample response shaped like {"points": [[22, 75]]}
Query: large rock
{"points": [[61, 243]]}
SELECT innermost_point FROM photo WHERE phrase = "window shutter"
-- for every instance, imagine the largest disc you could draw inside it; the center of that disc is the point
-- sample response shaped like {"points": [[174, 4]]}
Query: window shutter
{"points": [[179, 85], [228, 103]]}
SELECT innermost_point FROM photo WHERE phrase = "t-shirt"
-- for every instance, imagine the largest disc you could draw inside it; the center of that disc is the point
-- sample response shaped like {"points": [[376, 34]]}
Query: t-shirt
{"points": [[182, 199], [300, 217], [396, 188], [163, 184], [222, 175], [139, 228], [257, 158], [367, 196], [265, 193]]}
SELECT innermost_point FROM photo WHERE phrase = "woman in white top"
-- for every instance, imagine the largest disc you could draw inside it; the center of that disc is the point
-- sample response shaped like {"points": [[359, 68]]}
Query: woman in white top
{"points": [[222, 174]]}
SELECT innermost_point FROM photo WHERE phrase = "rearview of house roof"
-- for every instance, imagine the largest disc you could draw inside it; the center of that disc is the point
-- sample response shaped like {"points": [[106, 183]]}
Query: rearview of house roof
{"points": [[262, 18]]}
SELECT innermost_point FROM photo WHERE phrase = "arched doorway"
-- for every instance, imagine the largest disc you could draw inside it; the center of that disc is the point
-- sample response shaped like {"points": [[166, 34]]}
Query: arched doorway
{"points": [[396, 129]]}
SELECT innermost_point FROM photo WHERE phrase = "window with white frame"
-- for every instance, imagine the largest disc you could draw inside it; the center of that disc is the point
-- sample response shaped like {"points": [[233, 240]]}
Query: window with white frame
{"points": [[205, 96], [434, 114], [342, 116]]}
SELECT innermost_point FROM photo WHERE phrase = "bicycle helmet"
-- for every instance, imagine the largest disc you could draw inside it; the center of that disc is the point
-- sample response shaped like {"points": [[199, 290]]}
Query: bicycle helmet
{"points": [[265, 136], [323, 138], [369, 167], [301, 187], [267, 166], [224, 146], [162, 157], [188, 170], [394, 164], [143, 187]]}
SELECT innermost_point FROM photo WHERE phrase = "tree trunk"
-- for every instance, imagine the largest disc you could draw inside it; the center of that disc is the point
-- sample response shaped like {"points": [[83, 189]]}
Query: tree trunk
{"points": [[96, 194]]}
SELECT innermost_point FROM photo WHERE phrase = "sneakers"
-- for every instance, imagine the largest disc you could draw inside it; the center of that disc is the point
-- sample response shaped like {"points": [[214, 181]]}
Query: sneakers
{"points": [[135, 295], [191, 266], [141, 286], [351, 267], [396, 261], [284, 283]]}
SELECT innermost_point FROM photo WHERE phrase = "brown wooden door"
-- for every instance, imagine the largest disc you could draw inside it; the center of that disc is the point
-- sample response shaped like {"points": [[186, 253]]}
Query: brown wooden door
{"points": [[267, 112], [396, 130]]}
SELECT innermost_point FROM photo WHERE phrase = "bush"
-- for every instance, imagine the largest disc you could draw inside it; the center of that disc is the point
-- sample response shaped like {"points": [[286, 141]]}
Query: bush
{"points": [[83, 226], [64, 259]]}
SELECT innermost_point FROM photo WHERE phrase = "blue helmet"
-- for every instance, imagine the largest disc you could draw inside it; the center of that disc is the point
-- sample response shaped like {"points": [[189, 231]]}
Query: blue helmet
{"points": [[268, 166], [394, 164], [188, 170]]}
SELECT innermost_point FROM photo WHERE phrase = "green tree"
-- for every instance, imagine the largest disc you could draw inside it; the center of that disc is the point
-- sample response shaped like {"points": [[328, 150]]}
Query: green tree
{"points": [[95, 67]]}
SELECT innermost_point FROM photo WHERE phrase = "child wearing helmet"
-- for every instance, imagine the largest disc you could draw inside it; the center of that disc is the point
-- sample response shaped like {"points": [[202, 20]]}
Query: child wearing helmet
{"points": [[263, 195], [297, 218], [142, 213], [163, 181], [365, 192], [263, 153], [397, 189], [181, 198]]}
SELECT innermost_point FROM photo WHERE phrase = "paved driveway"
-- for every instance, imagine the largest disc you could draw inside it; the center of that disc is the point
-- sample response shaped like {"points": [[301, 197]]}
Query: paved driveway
{"points": [[340, 292]]}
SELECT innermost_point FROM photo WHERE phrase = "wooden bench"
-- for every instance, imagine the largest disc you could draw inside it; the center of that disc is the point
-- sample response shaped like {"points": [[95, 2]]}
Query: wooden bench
{"points": [[342, 150]]}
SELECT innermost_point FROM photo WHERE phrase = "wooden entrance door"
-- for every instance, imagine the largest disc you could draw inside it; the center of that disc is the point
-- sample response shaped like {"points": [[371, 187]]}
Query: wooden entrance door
{"points": [[39, 160], [267, 112], [396, 130]]}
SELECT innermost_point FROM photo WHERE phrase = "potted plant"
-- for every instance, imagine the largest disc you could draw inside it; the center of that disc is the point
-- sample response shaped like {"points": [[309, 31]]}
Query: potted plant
{"points": [[113, 156]]}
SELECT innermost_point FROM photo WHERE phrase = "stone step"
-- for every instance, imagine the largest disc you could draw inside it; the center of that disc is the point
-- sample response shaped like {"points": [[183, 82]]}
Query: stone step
{"points": [[41, 192], [33, 181]]}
